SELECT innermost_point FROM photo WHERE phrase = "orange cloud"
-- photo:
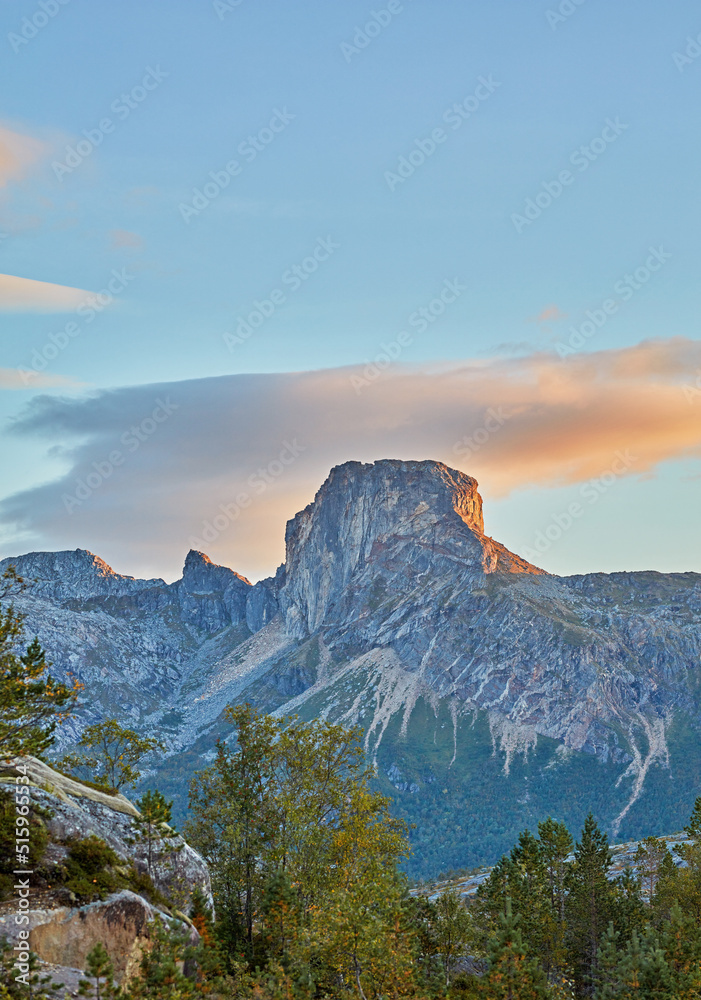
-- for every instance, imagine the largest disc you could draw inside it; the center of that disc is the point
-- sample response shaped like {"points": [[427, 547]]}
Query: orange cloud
{"points": [[27, 295], [512, 423], [18, 153]]}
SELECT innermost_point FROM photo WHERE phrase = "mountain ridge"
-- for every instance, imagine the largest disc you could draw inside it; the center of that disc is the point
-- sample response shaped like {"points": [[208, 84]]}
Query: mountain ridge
{"points": [[393, 611]]}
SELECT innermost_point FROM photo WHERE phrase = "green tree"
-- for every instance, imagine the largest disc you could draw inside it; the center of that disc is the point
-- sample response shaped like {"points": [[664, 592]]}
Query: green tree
{"points": [[161, 974], [32, 702], [231, 821], [511, 974], [152, 826], [590, 901], [303, 855], [648, 861], [115, 753], [99, 969], [453, 930], [555, 847]]}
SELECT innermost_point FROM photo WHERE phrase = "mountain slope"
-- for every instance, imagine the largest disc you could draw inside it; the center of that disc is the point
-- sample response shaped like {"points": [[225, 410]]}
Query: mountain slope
{"points": [[489, 691]]}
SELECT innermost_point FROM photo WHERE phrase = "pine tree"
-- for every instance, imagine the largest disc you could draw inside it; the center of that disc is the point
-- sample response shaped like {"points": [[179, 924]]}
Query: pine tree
{"points": [[32, 702], [511, 975], [648, 861], [609, 983], [153, 826], [98, 966], [590, 902]]}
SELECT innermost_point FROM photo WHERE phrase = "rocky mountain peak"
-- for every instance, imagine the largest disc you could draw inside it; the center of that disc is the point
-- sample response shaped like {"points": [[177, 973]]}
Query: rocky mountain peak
{"points": [[73, 573], [201, 575], [391, 518]]}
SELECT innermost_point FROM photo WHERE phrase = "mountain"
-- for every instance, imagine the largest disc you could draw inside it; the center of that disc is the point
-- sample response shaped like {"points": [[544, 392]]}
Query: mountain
{"points": [[491, 693]]}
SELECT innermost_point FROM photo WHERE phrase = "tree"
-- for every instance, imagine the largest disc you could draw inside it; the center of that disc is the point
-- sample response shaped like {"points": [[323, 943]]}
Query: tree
{"points": [[589, 902], [116, 752], [161, 974], [555, 847], [32, 702], [648, 862], [511, 975], [98, 966], [153, 825], [303, 855], [231, 820], [532, 877], [453, 929]]}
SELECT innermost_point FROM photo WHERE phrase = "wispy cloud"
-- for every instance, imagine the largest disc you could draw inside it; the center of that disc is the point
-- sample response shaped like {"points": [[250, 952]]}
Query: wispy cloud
{"points": [[560, 422], [123, 239], [27, 295], [18, 153], [551, 314], [11, 378]]}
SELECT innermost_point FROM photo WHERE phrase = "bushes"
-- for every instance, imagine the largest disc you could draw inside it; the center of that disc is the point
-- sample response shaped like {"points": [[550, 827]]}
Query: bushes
{"points": [[92, 870]]}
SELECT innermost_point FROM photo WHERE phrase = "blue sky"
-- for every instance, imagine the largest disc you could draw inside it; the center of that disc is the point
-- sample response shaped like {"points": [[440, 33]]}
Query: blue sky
{"points": [[200, 80]]}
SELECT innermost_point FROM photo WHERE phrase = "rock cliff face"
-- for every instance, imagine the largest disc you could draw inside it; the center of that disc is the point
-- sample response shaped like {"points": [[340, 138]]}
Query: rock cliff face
{"points": [[406, 522], [487, 688]]}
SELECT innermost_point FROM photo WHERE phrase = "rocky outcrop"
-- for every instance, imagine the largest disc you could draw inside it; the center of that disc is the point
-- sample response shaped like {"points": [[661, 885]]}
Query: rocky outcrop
{"points": [[62, 936], [61, 930], [72, 810]]}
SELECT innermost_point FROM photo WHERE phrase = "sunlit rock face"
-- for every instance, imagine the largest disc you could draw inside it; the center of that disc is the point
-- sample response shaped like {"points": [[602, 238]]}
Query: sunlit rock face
{"points": [[466, 666]]}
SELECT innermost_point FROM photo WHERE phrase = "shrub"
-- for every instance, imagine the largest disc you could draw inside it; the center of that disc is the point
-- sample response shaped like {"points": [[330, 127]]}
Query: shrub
{"points": [[92, 870]]}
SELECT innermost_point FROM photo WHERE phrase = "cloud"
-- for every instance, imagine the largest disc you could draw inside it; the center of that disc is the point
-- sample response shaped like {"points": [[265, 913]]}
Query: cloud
{"points": [[551, 314], [122, 239], [221, 466], [18, 153], [27, 295], [12, 378]]}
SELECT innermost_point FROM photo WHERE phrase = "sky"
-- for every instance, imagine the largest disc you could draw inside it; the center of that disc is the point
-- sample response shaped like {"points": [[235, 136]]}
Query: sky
{"points": [[241, 243]]}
